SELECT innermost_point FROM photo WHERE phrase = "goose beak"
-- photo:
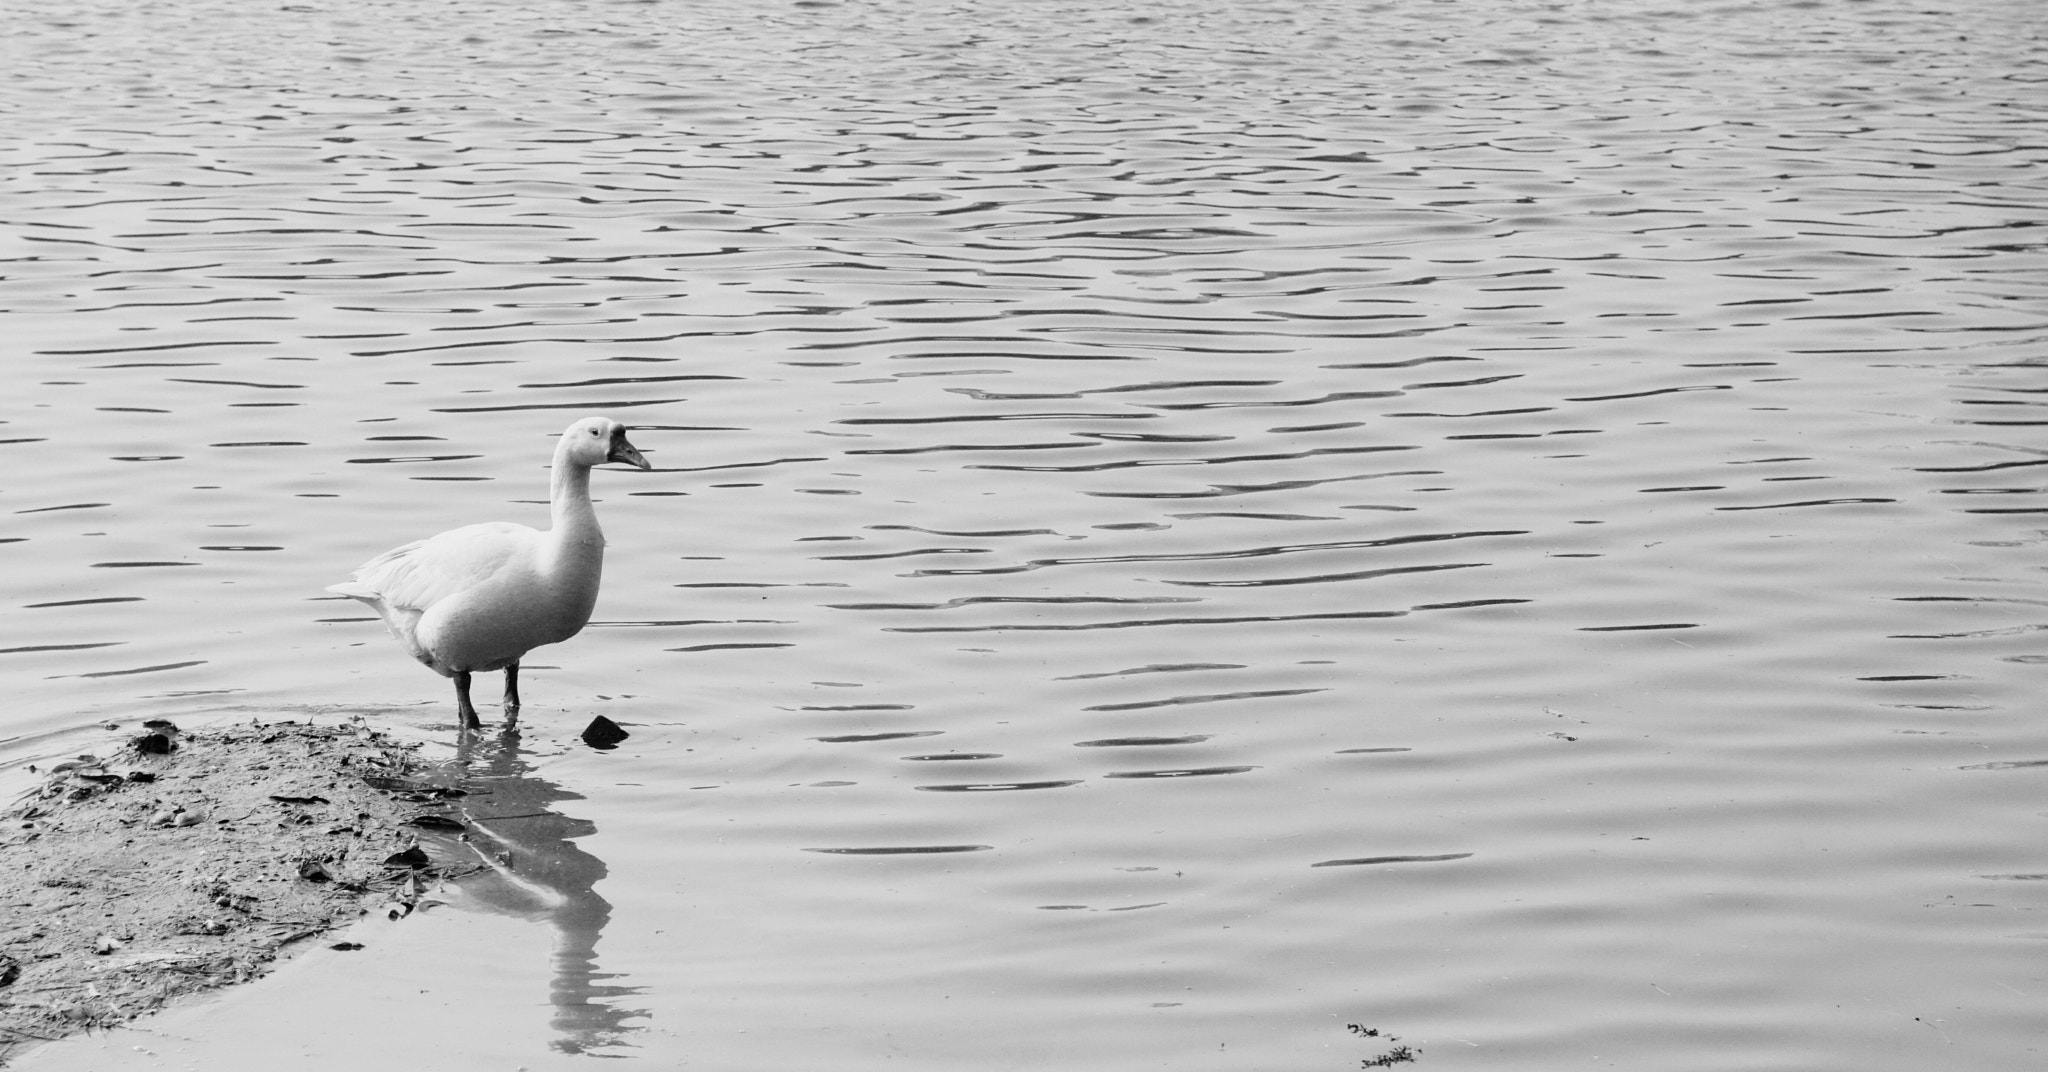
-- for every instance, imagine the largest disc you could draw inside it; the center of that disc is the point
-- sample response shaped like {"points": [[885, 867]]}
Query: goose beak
{"points": [[623, 451]]}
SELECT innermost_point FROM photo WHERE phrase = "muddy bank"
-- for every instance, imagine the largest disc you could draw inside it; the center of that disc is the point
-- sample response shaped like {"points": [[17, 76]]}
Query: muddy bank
{"points": [[169, 863]]}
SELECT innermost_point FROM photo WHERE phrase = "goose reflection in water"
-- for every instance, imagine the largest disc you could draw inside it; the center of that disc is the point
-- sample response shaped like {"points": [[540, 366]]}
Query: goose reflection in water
{"points": [[539, 873]]}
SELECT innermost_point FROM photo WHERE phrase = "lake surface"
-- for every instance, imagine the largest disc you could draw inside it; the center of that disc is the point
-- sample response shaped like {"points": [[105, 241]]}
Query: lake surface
{"points": [[1177, 527]]}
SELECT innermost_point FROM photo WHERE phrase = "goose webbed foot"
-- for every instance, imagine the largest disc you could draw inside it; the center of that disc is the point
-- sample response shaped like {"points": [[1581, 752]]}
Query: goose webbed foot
{"points": [[463, 708]]}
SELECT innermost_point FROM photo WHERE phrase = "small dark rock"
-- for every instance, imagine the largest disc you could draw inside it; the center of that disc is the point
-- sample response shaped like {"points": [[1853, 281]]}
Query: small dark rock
{"points": [[414, 857], [436, 822], [155, 744], [603, 733], [315, 871]]}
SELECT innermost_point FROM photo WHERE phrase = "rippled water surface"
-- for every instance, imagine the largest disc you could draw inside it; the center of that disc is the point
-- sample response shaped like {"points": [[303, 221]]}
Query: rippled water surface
{"points": [[1177, 527]]}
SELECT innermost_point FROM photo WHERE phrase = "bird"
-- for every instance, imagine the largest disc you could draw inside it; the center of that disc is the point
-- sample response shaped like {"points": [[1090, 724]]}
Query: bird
{"points": [[478, 598]]}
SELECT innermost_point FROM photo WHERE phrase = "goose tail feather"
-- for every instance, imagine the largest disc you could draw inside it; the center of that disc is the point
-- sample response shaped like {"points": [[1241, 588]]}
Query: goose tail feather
{"points": [[356, 590]]}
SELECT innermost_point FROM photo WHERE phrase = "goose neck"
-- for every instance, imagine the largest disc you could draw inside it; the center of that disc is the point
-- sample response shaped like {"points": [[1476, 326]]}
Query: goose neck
{"points": [[569, 503]]}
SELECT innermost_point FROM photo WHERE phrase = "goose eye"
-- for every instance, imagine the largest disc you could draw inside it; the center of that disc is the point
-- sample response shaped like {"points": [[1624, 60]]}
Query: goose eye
{"points": [[593, 433]]}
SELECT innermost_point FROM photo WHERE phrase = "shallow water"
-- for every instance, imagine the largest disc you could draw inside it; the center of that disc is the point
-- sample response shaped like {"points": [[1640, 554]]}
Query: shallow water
{"points": [[1176, 527]]}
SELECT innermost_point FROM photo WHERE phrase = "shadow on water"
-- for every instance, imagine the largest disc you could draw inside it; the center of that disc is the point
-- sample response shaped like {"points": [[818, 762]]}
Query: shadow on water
{"points": [[538, 872]]}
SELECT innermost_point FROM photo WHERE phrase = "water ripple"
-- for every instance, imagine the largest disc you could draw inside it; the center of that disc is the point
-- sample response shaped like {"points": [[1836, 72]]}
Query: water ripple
{"points": [[1030, 373]]}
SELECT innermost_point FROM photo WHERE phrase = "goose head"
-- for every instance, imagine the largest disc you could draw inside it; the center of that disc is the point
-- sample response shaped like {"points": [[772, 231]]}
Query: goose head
{"points": [[597, 440]]}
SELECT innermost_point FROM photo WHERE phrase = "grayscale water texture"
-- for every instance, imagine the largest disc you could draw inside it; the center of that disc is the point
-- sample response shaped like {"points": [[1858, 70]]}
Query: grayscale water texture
{"points": [[1178, 526]]}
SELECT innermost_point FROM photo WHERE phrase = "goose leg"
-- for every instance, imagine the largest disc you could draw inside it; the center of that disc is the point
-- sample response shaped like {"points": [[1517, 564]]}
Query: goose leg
{"points": [[464, 708], [512, 690]]}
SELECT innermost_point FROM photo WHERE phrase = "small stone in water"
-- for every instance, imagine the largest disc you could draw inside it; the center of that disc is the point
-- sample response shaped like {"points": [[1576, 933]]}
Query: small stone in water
{"points": [[603, 733]]}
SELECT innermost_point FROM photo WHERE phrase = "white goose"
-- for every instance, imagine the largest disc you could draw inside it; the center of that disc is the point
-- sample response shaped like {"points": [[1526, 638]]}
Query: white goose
{"points": [[480, 597]]}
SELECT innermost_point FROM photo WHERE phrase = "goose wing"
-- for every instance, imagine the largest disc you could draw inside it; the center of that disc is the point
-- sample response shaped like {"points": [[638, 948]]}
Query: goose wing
{"points": [[425, 572]]}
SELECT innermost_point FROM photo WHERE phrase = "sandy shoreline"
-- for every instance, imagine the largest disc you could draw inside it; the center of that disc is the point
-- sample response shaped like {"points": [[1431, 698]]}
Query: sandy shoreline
{"points": [[166, 864]]}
